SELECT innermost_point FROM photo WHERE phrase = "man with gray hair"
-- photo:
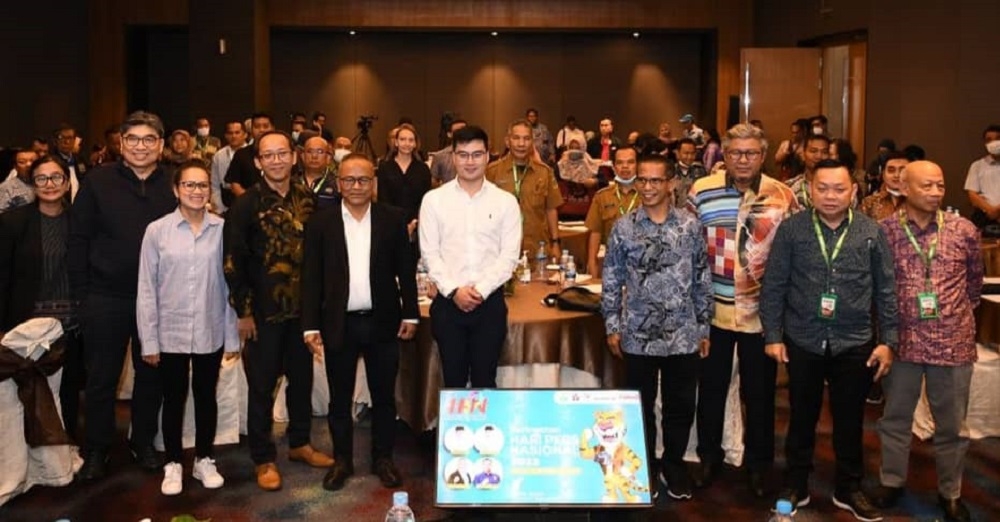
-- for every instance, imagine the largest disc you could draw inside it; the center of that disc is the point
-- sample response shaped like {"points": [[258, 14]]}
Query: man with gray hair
{"points": [[740, 209], [108, 221]]}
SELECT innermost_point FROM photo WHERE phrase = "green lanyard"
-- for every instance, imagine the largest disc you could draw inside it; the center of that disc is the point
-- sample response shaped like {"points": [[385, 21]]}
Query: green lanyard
{"points": [[518, 181], [931, 250], [622, 210], [829, 258], [319, 184]]}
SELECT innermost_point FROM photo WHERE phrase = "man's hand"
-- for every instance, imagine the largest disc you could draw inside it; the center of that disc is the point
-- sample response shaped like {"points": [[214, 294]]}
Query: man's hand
{"points": [[229, 356], [406, 331], [881, 356], [615, 345], [703, 347], [411, 227], [555, 250], [994, 213], [314, 342], [432, 289], [247, 330], [467, 299], [152, 360], [777, 351]]}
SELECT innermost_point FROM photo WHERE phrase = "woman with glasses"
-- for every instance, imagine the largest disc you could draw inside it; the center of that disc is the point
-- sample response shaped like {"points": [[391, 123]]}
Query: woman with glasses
{"points": [[34, 280], [185, 321]]}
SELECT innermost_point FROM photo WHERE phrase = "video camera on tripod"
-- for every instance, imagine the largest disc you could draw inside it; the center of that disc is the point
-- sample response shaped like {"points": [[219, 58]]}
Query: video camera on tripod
{"points": [[365, 123]]}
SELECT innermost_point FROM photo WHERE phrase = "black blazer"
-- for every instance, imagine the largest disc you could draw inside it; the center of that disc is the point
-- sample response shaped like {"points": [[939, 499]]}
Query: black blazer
{"points": [[20, 264], [325, 274]]}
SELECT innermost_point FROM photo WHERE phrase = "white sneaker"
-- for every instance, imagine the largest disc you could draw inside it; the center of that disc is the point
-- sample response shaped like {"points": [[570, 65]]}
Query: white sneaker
{"points": [[204, 470], [173, 479]]}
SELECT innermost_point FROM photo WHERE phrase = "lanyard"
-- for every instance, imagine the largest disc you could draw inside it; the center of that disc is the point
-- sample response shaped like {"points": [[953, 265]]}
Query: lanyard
{"points": [[518, 181], [931, 250], [631, 204], [319, 184], [829, 258]]}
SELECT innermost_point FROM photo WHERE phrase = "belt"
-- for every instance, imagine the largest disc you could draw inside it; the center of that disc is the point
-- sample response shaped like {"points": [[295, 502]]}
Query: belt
{"points": [[359, 313]]}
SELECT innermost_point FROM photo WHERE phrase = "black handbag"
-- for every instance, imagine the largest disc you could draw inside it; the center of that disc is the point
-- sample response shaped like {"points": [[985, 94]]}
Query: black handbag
{"points": [[578, 299]]}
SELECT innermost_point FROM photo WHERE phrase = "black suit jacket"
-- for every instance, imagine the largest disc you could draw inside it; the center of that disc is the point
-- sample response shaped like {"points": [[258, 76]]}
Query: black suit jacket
{"points": [[326, 274], [20, 264]]}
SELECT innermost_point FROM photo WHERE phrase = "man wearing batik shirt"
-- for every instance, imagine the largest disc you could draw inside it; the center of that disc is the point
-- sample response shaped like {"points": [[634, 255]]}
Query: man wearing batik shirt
{"points": [[889, 197], [740, 210], [939, 278], [656, 254]]}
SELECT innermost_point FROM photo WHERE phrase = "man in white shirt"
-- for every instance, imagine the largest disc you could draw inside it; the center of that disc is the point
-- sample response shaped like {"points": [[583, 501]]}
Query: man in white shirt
{"points": [[236, 139], [983, 185], [470, 234]]}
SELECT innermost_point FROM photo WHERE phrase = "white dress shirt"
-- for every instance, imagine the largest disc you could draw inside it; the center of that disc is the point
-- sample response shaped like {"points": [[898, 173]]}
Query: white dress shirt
{"points": [[220, 164], [470, 239], [358, 234]]}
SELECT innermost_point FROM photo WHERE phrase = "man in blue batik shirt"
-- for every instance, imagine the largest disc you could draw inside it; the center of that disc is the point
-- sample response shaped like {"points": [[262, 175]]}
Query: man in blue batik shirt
{"points": [[657, 256]]}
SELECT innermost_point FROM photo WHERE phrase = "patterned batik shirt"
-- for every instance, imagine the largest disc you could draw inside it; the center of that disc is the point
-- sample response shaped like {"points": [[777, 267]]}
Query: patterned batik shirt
{"points": [[956, 280], [657, 289], [739, 228]]}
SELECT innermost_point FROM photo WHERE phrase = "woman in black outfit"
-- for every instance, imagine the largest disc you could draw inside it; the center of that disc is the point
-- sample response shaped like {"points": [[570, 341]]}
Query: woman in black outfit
{"points": [[34, 281], [404, 179]]}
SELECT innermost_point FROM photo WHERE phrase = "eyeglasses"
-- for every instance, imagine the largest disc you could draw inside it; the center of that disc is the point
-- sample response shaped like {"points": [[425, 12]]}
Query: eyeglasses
{"points": [[131, 140], [349, 182], [464, 157], [281, 155], [316, 152], [190, 186], [750, 155], [65, 137], [656, 182], [56, 179]]}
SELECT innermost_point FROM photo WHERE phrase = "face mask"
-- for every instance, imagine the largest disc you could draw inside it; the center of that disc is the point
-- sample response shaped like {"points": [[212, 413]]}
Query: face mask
{"points": [[624, 182], [203, 132], [993, 147], [339, 154], [817, 130], [295, 136]]}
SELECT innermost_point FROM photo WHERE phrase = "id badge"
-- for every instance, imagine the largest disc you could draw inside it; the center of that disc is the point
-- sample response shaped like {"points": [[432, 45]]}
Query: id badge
{"points": [[827, 306], [927, 303]]}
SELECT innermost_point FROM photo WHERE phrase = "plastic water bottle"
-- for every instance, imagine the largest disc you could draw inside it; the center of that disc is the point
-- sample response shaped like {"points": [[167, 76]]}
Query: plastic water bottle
{"points": [[422, 279], [400, 510], [782, 512], [563, 260], [570, 272], [540, 258], [524, 269]]}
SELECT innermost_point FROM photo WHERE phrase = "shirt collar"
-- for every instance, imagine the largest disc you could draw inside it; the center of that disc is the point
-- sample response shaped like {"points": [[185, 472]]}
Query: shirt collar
{"points": [[346, 213], [482, 190], [177, 219], [641, 215], [754, 185]]}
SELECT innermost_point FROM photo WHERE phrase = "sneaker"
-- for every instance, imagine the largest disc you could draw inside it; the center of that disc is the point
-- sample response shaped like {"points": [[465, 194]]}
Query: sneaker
{"points": [[798, 498], [677, 481], [204, 470], [173, 479], [858, 504]]}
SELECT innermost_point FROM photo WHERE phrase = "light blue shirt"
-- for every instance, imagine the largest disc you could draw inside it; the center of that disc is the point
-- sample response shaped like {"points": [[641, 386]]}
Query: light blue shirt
{"points": [[182, 306]]}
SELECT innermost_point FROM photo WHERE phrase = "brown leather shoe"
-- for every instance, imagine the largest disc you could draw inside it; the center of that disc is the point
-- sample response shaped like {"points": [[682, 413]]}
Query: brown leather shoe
{"points": [[310, 456], [268, 477]]}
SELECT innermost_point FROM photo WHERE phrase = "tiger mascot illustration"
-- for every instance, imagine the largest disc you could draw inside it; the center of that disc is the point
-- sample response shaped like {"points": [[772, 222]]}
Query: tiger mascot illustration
{"points": [[618, 462]]}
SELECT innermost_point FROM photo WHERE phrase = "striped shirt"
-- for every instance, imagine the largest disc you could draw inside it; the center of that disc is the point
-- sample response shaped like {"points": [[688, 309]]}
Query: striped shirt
{"points": [[739, 228]]}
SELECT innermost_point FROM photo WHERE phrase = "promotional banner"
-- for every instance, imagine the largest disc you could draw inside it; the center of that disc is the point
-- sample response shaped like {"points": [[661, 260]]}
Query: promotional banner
{"points": [[541, 447]]}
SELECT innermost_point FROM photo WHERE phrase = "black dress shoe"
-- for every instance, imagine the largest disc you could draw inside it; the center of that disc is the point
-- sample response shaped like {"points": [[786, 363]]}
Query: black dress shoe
{"points": [[95, 466], [954, 510], [145, 456], [755, 483], [387, 473], [706, 473], [337, 476], [886, 497], [857, 503]]}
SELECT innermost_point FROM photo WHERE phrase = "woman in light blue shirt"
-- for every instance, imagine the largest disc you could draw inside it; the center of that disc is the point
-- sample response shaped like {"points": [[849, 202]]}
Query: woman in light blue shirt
{"points": [[185, 321]]}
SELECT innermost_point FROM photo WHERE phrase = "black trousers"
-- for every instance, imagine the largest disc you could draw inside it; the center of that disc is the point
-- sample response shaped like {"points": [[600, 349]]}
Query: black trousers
{"points": [[108, 327], [279, 349], [470, 343], [678, 375], [381, 366], [203, 370], [757, 385], [72, 380], [848, 380]]}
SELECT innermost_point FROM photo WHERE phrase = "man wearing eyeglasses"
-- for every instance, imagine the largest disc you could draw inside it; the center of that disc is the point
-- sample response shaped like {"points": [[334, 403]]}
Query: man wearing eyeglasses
{"points": [[107, 223], [359, 299], [263, 261], [68, 149], [316, 172], [739, 209], [656, 255]]}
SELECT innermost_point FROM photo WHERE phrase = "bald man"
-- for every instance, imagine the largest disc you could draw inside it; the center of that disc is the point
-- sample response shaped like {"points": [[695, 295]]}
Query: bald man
{"points": [[939, 278], [316, 172]]}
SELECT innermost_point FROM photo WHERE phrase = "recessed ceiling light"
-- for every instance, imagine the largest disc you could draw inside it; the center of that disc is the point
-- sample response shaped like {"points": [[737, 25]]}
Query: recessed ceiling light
{"points": [[352, 33], [635, 35], [494, 33]]}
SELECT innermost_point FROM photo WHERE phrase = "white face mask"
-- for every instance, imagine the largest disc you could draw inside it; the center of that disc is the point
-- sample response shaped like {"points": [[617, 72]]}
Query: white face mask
{"points": [[295, 135], [993, 147], [817, 130], [624, 182], [339, 154], [203, 132]]}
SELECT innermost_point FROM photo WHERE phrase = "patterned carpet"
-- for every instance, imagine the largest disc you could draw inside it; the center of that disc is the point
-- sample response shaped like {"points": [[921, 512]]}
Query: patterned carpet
{"points": [[131, 495]]}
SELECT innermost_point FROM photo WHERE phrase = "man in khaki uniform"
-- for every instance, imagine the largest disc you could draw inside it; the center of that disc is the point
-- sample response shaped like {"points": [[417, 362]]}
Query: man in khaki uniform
{"points": [[533, 184], [611, 203]]}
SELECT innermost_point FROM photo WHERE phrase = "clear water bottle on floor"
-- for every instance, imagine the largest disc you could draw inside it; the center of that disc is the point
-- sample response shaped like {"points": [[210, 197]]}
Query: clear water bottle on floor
{"points": [[782, 512], [400, 510]]}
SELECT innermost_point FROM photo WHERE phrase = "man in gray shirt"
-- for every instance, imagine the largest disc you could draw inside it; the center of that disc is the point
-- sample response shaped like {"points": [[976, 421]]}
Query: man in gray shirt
{"points": [[828, 266]]}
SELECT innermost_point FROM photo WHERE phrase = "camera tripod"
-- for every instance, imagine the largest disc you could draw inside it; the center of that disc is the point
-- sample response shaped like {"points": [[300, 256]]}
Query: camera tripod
{"points": [[362, 144]]}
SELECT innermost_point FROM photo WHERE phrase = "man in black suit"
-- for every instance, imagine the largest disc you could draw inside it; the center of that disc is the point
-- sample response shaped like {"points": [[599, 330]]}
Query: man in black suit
{"points": [[359, 297]]}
